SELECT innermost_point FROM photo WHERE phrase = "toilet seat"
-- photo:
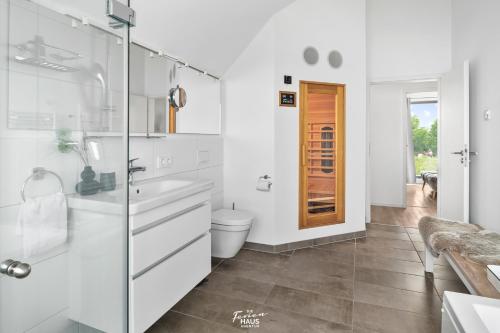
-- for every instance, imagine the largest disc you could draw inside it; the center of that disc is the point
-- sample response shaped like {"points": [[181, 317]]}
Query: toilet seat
{"points": [[228, 217], [232, 228]]}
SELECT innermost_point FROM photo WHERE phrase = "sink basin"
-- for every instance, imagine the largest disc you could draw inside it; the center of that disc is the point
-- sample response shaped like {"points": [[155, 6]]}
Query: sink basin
{"points": [[142, 196], [151, 194], [489, 316], [152, 189]]}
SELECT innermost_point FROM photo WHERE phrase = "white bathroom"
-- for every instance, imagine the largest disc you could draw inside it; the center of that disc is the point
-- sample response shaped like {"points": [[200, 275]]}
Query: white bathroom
{"points": [[190, 166]]}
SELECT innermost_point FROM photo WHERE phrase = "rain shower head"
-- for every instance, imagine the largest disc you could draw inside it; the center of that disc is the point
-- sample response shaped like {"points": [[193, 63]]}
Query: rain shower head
{"points": [[33, 53], [41, 62]]}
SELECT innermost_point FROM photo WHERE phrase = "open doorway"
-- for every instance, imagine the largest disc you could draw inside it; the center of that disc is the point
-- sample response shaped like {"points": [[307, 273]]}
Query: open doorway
{"points": [[404, 123], [422, 149]]}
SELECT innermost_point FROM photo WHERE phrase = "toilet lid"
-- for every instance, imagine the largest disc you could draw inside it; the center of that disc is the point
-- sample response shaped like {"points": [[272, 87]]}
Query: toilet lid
{"points": [[231, 217]]}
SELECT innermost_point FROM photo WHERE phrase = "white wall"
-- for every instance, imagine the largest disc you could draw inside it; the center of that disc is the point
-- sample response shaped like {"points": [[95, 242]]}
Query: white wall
{"points": [[408, 38], [476, 32], [387, 108], [184, 152], [268, 135], [320, 24], [248, 129]]}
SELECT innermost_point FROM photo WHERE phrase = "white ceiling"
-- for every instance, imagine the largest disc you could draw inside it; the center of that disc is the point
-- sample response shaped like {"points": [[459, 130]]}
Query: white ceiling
{"points": [[209, 34]]}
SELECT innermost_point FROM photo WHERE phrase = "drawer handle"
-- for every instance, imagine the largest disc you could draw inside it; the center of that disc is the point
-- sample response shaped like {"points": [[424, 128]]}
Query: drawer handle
{"points": [[166, 219], [153, 265]]}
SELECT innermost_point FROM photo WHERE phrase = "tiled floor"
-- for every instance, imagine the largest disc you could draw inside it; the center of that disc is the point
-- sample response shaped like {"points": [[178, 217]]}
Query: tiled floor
{"points": [[375, 284], [372, 284], [419, 204]]}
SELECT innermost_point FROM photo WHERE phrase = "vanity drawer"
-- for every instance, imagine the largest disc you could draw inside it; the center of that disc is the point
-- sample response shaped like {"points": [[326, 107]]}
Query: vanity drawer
{"points": [[154, 244], [157, 290], [143, 219]]}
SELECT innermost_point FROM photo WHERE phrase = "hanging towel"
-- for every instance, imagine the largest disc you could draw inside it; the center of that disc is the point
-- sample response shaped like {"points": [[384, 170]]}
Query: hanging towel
{"points": [[43, 223]]}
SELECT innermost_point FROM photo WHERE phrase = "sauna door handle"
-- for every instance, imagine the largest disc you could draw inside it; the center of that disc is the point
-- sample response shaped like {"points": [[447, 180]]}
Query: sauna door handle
{"points": [[303, 154]]}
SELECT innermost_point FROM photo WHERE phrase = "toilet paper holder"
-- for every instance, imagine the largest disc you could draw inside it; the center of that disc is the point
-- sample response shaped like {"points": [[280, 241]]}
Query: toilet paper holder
{"points": [[264, 183]]}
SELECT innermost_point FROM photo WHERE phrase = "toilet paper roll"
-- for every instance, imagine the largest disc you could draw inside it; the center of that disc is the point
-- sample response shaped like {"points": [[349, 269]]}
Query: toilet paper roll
{"points": [[264, 185]]}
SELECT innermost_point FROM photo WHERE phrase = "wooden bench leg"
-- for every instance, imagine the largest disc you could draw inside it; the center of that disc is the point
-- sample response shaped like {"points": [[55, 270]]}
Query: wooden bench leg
{"points": [[429, 261]]}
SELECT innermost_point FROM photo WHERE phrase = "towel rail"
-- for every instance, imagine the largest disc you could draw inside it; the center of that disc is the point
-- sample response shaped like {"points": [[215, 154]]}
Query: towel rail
{"points": [[39, 173]]}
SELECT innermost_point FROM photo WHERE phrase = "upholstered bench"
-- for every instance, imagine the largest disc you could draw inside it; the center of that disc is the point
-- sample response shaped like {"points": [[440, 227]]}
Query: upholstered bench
{"points": [[467, 247]]}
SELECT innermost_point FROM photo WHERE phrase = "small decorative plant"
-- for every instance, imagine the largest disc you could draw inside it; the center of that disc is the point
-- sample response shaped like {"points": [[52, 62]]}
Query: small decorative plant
{"points": [[65, 144]]}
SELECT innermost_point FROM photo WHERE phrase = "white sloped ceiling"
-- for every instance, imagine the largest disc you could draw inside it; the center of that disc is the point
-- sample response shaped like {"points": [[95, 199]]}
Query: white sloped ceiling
{"points": [[209, 34]]}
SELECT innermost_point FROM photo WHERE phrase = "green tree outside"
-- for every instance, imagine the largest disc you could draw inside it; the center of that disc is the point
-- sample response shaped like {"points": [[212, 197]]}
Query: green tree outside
{"points": [[424, 141]]}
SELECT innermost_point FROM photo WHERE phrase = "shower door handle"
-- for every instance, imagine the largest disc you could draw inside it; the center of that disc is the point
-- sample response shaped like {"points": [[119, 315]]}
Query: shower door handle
{"points": [[16, 269]]}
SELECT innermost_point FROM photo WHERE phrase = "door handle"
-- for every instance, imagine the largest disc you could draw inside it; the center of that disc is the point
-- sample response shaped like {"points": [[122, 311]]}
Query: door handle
{"points": [[16, 269], [461, 153]]}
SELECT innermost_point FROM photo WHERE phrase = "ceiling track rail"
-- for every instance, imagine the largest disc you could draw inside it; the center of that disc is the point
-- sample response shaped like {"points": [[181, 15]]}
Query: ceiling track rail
{"points": [[177, 60]]}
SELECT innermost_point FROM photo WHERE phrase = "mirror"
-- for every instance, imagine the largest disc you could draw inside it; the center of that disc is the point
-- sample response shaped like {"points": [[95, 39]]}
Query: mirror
{"points": [[81, 91], [157, 115], [149, 86], [158, 84], [202, 112]]}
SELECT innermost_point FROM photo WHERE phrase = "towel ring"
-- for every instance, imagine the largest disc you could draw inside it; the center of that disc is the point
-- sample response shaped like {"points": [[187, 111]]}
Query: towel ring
{"points": [[39, 173]]}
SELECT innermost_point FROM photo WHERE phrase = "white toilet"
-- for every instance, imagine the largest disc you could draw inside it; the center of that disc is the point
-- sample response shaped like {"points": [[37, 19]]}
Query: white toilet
{"points": [[230, 229]]}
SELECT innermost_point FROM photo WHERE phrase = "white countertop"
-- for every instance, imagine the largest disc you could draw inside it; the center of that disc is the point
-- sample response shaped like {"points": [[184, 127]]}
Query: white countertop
{"points": [[473, 313], [143, 196]]}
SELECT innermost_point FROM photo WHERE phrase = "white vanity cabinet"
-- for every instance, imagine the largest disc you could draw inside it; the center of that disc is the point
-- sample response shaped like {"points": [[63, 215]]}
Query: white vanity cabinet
{"points": [[464, 313], [169, 255]]}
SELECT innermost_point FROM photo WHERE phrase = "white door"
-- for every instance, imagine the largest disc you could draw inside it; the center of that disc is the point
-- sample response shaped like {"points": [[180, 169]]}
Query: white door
{"points": [[454, 154]]}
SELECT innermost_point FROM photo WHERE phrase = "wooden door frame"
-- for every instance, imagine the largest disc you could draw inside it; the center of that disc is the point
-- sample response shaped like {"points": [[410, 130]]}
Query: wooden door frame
{"points": [[340, 158]]}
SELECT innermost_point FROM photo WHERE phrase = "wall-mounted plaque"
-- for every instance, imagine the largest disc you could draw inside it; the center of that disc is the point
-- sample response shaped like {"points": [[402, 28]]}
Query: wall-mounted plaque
{"points": [[288, 98]]}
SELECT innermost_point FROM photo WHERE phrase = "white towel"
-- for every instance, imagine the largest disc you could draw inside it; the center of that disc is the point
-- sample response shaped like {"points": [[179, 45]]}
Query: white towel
{"points": [[43, 223]]}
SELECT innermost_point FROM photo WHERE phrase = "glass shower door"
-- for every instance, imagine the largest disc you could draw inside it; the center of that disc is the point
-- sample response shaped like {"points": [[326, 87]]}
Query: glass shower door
{"points": [[63, 167]]}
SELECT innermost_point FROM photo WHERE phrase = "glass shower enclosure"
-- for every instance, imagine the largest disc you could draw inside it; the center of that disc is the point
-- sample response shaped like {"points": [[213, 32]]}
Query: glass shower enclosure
{"points": [[63, 166]]}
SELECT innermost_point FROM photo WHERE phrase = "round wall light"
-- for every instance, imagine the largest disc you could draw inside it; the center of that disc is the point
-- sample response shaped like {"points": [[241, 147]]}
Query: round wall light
{"points": [[335, 59], [311, 55]]}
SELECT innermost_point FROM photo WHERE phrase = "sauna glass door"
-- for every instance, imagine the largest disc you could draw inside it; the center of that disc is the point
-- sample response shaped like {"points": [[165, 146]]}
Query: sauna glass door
{"points": [[322, 154]]}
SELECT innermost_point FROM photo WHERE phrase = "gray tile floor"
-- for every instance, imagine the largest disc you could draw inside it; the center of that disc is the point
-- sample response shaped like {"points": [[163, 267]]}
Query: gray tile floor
{"points": [[375, 284]]}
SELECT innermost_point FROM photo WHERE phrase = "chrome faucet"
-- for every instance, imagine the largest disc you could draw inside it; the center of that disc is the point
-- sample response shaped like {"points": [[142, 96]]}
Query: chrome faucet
{"points": [[133, 169]]}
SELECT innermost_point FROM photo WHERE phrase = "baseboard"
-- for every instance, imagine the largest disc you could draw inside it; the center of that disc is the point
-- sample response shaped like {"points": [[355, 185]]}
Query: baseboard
{"points": [[302, 244]]}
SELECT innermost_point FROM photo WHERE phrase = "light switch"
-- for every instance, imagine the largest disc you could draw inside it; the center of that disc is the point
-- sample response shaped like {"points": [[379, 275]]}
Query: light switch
{"points": [[487, 114], [165, 162], [203, 156]]}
